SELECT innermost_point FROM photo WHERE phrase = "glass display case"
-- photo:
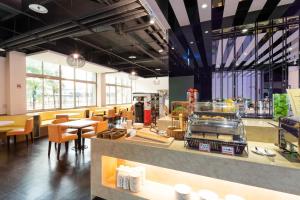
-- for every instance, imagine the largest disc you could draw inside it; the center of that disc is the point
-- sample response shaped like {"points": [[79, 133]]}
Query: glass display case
{"points": [[216, 130]]}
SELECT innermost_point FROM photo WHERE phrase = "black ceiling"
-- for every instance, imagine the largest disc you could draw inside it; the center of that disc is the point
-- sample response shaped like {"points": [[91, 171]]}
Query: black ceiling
{"points": [[109, 31], [103, 31]]}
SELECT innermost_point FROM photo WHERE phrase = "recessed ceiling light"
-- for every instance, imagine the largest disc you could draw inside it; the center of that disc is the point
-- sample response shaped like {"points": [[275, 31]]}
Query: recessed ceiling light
{"points": [[204, 5], [38, 8], [206, 32], [161, 50], [290, 48], [244, 30], [172, 48], [152, 20], [157, 69], [191, 42], [132, 57], [1, 49], [245, 53]]}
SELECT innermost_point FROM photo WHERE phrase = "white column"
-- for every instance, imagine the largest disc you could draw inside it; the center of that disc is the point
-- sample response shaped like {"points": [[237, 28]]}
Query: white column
{"points": [[16, 83], [3, 86]]}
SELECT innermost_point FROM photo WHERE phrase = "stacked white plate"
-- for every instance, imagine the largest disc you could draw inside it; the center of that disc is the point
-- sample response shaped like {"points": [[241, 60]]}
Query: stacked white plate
{"points": [[182, 192], [207, 195]]}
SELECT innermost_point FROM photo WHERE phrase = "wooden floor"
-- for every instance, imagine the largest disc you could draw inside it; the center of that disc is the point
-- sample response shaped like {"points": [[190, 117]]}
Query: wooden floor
{"points": [[28, 174]]}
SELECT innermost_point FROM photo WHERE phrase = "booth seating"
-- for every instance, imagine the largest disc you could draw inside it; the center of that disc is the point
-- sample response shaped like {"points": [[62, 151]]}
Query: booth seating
{"points": [[47, 117], [98, 128], [58, 135], [26, 130]]}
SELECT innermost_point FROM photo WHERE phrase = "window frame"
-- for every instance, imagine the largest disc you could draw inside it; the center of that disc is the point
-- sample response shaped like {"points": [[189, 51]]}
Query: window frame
{"points": [[60, 79], [115, 86]]}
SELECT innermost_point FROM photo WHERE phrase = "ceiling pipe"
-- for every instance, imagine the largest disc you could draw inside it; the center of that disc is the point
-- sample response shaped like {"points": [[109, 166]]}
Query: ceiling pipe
{"points": [[108, 11], [120, 57], [117, 19], [74, 31]]}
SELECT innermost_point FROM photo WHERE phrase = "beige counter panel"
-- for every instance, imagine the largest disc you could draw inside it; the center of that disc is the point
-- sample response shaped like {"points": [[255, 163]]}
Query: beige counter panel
{"points": [[276, 174]]}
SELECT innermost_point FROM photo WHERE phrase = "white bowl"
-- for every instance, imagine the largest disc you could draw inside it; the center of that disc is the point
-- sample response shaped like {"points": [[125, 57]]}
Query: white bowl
{"points": [[207, 195]]}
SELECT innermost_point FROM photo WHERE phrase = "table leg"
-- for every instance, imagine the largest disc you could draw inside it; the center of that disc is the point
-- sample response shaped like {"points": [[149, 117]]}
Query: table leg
{"points": [[79, 132]]}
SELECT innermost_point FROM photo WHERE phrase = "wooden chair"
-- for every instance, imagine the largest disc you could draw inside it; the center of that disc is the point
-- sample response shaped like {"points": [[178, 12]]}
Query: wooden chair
{"points": [[23, 131], [58, 135], [111, 115], [62, 116], [91, 128], [129, 115], [98, 128], [62, 120]]}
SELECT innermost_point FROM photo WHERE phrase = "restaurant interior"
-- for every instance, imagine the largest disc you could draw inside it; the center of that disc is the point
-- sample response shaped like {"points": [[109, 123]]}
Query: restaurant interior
{"points": [[149, 99]]}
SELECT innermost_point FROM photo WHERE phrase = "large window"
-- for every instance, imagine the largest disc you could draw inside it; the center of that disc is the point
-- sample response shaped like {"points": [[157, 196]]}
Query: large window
{"points": [[51, 86], [118, 89]]}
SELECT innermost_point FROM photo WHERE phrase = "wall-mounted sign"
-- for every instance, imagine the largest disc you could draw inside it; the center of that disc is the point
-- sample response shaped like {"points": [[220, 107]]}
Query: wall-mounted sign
{"points": [[204, 147], [228, 150]]}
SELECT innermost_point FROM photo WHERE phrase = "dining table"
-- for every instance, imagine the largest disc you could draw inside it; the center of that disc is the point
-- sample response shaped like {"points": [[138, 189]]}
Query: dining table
{"points": [[5, 123], [79, 125]]}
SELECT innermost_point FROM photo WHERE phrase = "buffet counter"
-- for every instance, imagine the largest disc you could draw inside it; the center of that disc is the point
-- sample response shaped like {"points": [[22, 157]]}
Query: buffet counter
{"points": [[251, 176]]}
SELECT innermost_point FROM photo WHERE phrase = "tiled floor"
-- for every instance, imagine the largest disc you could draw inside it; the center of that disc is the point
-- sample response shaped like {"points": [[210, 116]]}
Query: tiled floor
{"points": [[28, 174]]}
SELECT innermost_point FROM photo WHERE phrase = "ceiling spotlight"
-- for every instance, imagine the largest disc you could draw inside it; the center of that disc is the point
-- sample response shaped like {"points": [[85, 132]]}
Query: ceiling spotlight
{"points": [[1, 49], [290, 48], [152, 20], [204, 5], [191, 42], [245, 53], [161, 50], [133, 73], [75, 55], [172, 48], [157, 69], [244, 30], [206, 32], [38, 8], [132, 57]]}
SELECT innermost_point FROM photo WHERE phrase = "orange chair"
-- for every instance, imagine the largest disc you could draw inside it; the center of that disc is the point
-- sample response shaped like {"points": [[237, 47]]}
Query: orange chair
{"points": [[98, 128], [58, 135], [129, 115], [91, 128], [23, 131], [62, 116], [62, 120]]}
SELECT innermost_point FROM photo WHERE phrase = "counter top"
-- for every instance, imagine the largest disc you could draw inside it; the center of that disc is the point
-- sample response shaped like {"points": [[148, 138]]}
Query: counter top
{"points": [[275, 173]]}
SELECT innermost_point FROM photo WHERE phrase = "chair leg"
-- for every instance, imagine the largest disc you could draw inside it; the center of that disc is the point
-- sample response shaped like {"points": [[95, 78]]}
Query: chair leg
{"points": [[49, 149], [75, 141], [55, 145], [31, 135], [67, 146], [58, 150], [83, 143], [15, 140], [8, 141], [26, 139]]}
